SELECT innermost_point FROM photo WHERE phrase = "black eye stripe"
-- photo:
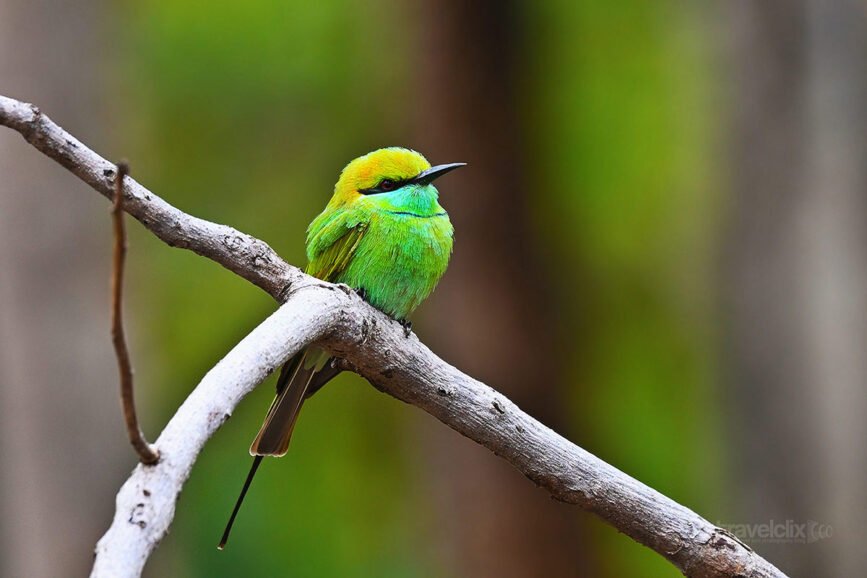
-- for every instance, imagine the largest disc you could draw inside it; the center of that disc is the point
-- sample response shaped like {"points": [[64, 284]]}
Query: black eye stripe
{"points": [[392, 185]]}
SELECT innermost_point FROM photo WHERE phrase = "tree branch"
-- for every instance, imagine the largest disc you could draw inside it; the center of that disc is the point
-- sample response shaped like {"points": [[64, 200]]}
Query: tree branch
{"points": [[377, 348], [242, 254]]}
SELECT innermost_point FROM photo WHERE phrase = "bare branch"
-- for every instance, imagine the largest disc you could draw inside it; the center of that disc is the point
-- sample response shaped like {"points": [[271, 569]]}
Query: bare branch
{"points": [[147, 454], [145, 505], [377, 348], [242, 254]]}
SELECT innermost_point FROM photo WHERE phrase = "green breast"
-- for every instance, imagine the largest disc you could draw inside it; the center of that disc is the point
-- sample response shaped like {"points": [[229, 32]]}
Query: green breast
{"points": [[400, 259]]}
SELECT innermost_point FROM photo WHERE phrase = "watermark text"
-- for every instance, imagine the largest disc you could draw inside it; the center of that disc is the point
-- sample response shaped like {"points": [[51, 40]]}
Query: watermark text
{"points": [[785, 531]]}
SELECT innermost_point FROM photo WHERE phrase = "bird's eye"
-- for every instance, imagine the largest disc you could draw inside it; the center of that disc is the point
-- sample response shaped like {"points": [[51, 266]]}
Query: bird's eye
{"points": [[387, 185]]}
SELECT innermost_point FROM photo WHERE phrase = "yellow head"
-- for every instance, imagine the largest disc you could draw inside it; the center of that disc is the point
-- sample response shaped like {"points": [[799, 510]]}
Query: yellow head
{"points": [[366, 172], [386, 171]]}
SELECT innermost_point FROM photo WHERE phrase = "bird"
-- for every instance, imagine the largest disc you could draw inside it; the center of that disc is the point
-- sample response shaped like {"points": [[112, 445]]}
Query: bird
{"points": [[383, 234]]}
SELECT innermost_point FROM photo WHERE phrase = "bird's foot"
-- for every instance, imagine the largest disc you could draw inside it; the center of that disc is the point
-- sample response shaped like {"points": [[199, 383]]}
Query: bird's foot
{"points": [[407, 326], [361, 292]]}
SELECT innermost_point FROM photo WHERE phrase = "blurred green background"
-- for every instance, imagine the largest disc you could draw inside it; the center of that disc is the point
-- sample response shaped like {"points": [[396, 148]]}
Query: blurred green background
{"points": [[627, 266], [247, 116]]}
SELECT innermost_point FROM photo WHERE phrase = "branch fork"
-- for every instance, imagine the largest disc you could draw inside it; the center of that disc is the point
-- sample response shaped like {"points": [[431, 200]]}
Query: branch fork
{"points": [[369, 343]]}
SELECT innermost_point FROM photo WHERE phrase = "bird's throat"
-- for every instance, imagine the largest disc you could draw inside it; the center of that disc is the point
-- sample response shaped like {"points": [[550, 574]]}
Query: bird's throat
{"points": [[411, 200]]}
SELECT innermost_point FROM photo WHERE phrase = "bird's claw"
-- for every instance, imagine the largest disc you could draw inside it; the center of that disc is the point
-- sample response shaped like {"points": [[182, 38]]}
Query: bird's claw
{"points": [[407, 326], [361, 292]]}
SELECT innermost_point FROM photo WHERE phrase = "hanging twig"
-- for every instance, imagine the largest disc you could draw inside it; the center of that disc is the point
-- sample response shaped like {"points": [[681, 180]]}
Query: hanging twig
{"points": [[147, 454]]}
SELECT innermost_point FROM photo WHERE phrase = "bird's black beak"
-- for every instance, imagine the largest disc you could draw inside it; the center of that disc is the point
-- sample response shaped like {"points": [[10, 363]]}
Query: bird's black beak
{"points": [[428, 176]]}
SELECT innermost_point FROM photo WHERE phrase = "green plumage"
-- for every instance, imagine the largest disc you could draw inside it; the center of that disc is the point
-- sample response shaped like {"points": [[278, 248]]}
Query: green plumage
{"points": [[395, 248]]}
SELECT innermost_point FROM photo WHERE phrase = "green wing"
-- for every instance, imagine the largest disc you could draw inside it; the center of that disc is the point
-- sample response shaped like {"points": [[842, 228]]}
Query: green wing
{"points": [[329, 263]]}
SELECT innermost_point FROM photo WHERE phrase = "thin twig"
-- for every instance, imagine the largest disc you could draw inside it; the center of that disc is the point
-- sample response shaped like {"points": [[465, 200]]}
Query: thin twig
{"points": [[147, 453]]}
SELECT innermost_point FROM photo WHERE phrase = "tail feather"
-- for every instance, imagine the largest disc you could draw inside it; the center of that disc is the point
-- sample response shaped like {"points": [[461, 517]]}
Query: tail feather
{"points": [[300, 377], [273, 437], [256, 461], [328, 372]]}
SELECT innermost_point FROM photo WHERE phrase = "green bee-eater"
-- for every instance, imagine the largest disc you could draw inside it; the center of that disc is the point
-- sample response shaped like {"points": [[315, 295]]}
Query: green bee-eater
{"points": [[385, 235]]}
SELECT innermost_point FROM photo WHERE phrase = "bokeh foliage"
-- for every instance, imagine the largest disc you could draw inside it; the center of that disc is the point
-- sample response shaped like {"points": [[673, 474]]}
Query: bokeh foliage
{"points": [[626, 125], [244, 113]]}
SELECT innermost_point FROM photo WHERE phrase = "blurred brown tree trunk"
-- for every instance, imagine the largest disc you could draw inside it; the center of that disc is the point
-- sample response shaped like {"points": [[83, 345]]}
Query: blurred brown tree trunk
{"points": [[61, 437], [798, 270], [490, 315]]}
